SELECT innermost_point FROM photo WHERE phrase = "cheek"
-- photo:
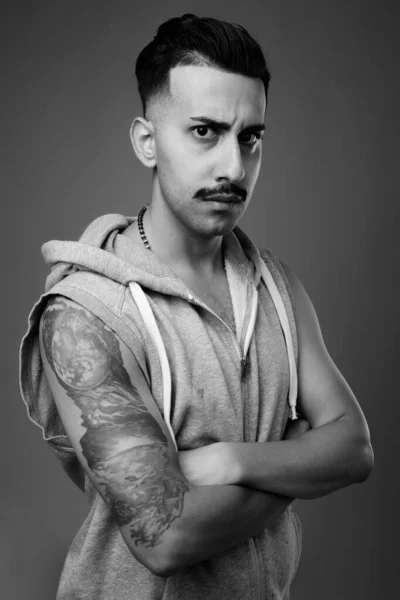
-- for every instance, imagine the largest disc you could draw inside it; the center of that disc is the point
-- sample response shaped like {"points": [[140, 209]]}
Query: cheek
{"points": [[180, 169], [253, 166], [175, 174], [172, 158]]}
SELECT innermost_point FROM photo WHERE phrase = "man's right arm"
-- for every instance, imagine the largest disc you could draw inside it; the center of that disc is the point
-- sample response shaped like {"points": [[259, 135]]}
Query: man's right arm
{"points": [[126, 450]]}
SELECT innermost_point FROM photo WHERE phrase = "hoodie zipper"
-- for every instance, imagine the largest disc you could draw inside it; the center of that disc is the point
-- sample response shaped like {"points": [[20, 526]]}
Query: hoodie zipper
{"points": [[243, 365], [249, 334], [253, 554], [247, 339], [194, 300]]}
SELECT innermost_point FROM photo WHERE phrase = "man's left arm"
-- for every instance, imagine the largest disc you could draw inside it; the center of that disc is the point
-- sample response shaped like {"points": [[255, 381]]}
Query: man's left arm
{"points": [[335, 452]]}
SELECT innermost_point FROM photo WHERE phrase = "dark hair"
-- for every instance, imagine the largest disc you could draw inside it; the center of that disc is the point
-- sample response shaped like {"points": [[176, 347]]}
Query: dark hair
{"points": [[191, 40]]}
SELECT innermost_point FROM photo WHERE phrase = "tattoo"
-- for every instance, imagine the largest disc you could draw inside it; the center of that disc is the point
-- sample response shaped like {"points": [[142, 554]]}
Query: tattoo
{"points": [[123, 444]]}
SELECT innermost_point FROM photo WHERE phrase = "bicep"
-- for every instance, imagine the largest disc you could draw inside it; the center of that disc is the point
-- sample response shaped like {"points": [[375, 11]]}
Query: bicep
{"points": [[113, 423], [324, 394]]}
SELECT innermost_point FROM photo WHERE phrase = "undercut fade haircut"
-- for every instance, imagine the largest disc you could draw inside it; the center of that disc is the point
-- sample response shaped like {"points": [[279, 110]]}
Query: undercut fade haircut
{"points": [[199, 41]]}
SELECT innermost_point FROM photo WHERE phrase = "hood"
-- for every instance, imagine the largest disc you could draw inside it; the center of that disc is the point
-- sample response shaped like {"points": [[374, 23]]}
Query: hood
{"points": [[104, 250]]}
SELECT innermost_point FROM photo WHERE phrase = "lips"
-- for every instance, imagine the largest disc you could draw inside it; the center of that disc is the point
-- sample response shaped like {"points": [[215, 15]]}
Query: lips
{"points": [[226, 198]]}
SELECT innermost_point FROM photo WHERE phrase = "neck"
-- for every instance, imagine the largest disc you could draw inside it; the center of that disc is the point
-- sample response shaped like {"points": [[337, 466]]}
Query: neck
{"points": [[180, 247]]}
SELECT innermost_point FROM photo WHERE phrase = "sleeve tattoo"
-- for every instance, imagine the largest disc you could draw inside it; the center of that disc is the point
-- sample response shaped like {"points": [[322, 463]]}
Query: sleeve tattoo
{"points": [[123, 444]]}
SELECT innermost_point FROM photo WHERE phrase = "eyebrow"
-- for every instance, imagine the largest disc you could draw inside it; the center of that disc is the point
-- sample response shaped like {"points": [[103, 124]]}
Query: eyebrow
{"points": [[225, 126]]}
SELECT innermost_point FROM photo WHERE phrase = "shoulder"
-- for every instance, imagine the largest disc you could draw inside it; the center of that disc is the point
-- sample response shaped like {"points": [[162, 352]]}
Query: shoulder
{"points": [[62, 311], [80, 351], [284, 277], [305, 315], [276, 266], [296, 286], [83, 284], [71, 337]]}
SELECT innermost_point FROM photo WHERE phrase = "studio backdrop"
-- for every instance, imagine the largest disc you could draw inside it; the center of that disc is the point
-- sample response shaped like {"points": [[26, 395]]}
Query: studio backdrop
{"points": [[326, 203]]}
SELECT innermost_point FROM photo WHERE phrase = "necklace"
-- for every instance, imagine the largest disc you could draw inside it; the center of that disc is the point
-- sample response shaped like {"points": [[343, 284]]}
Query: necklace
{"points": [[141, 228], [219, 306]]}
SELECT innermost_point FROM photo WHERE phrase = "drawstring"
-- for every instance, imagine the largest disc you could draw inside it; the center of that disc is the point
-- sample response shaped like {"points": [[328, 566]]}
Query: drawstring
{"points": [[148, 317], [280, 308]]}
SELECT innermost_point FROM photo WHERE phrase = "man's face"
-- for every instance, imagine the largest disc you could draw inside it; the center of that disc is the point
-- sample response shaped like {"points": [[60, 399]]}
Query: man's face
{"points": [[208, 147]]}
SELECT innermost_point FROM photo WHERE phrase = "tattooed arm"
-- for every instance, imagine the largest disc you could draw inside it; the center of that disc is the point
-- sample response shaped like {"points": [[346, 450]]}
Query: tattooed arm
{"points": [[125, 448]]}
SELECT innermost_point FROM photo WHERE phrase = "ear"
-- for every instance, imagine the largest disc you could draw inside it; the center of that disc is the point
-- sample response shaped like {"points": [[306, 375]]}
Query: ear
{"points": [[143, 142]]}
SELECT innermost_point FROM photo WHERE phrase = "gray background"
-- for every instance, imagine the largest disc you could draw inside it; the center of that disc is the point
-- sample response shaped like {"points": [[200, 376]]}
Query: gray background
{"points": [[326, 203]]}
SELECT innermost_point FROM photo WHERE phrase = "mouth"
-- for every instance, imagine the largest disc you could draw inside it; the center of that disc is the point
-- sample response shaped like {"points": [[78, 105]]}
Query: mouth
{"points": [[224, 199]]}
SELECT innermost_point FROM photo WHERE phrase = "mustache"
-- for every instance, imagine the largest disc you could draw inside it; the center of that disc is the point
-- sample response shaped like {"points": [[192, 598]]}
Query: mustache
{"points": [[226, 188]]}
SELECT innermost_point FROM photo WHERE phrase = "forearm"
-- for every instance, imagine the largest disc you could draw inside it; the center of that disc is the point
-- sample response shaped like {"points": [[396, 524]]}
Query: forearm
{"points": [[218, 515], [217, 518], [312, 465], [200, 520]]}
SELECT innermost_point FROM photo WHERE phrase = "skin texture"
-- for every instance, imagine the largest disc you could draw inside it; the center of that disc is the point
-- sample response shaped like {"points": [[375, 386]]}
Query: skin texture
{"points": [[122, 444], [335, 452], [214, 464], [192, 160], [124, 449]]}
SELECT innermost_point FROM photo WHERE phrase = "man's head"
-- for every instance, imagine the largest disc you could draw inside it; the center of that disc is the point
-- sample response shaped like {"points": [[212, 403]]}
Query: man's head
{"points": [[203, 85], [190, 40]]}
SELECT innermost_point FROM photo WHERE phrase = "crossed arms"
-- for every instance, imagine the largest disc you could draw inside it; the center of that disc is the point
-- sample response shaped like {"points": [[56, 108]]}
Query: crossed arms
{"points": [[335, 452], [167, 505]]}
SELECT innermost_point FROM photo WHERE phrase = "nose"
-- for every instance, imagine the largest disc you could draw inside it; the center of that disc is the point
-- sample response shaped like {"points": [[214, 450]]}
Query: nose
{"points": [[230, 166]]}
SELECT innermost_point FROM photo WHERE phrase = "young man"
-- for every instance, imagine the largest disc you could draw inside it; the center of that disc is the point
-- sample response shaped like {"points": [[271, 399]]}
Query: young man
{"points": [[168, 353]]}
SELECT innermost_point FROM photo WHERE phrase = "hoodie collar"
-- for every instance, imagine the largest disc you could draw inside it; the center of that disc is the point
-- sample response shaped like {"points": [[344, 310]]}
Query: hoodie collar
{"points": [[103, 249]]}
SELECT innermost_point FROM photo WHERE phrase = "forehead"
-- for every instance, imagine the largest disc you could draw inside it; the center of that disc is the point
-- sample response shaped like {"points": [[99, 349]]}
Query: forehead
{"points": [[207, 91]]}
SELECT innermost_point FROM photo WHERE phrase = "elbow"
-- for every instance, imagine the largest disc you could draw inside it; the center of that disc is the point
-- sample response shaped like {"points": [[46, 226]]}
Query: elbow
{"points": [[164, 566], [166, 570], [180, 553], [364, 462], [161, 568], [158, 564], [168, 560]]}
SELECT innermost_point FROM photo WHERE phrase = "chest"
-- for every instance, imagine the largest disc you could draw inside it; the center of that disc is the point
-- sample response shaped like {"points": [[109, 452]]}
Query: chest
{"points": [[216, 295], [211, 400]]}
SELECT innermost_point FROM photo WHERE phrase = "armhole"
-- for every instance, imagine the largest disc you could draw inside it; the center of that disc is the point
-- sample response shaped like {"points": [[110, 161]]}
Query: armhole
{"points": [[285, 290], [110, 319], [34, 388]]}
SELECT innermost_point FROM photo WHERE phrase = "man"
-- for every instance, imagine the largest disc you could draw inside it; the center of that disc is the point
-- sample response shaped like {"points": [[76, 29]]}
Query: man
{"points": [[168, 353]]}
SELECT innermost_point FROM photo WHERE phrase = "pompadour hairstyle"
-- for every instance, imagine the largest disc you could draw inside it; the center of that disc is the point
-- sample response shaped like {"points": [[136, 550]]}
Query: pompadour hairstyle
{"points": [[191, 40]]}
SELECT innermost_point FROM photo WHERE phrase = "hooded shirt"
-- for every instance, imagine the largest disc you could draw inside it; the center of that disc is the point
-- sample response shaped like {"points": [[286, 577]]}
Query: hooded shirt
{"points": [[210, 384]]}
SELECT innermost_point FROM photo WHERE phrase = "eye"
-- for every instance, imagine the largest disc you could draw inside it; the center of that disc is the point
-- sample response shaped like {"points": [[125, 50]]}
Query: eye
{"points": [[250, 138], [203, 132]]}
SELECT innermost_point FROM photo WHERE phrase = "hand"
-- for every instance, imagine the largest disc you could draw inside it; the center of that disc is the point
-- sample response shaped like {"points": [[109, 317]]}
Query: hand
{"points": [[296, 428], [208, 465]]}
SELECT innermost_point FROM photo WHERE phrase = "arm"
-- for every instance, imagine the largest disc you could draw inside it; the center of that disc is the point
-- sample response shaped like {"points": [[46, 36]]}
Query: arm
{"points": [[336, 451], [125, 448], [307, 463]]}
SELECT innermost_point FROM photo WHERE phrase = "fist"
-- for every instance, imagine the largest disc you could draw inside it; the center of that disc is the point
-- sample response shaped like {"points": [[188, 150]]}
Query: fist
{"points": [[208, 465]]}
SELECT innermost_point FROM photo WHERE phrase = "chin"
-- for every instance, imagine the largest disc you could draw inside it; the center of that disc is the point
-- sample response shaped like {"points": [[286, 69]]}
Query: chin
{"points": [[214, 223], [222, 227]]}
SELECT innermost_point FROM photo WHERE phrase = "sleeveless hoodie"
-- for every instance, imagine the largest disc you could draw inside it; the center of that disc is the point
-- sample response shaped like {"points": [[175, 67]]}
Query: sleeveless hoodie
{"points": [[242, 386]]}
